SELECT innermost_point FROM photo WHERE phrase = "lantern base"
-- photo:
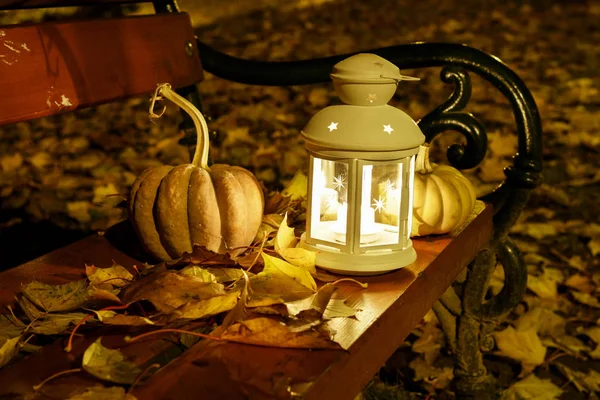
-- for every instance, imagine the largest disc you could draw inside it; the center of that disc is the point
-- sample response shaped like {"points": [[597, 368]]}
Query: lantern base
{"points": [[362, 264]]}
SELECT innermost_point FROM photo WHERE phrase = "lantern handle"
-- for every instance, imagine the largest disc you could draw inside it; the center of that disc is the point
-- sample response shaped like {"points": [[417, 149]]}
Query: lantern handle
{"points": [[200, 158]]}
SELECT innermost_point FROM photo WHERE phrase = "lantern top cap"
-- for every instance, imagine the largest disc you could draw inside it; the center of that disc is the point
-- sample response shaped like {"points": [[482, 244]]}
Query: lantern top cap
{"points": [[366, 123], [367, 68]]}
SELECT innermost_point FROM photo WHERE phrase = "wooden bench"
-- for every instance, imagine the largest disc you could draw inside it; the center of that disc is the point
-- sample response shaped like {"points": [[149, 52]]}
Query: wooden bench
{"points": [[56, 67]]}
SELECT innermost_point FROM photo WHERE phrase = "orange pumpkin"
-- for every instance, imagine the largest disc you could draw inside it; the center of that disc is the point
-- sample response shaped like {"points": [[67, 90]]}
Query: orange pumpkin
{"points": [[174, 208]]}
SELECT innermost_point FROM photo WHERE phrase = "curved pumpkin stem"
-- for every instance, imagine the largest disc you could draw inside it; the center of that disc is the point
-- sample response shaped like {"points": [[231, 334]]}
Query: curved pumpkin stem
{"points": [[422, 164], [201, 154]]}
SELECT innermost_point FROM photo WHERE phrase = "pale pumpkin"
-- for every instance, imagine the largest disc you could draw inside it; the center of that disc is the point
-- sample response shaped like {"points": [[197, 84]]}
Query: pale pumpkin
{"points": [[174, 208], [443, 197]]}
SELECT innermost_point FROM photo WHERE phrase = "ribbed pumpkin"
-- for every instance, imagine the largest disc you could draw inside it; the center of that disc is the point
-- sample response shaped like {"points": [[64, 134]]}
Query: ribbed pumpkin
{"points": [[175, 208], [443, 197]]}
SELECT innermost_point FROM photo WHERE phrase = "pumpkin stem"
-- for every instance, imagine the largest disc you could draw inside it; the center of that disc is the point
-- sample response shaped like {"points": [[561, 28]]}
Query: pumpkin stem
{"points": [[201, 154], [422, 164]]}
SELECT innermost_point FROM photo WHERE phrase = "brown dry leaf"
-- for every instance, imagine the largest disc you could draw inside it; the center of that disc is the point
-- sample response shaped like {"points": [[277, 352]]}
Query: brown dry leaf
{"points": [[317, 302], [270, 223], [65, 297], [522, 345], [103, 393], [116, 276], [109, 365], [272, 332], [276, 203], [112, 318], [532, 387], [168, 290], [8, 349], [586, 298], [55, 324], [205, 308], [200, 255], [280, 279], [439, 378], [285, 242]]}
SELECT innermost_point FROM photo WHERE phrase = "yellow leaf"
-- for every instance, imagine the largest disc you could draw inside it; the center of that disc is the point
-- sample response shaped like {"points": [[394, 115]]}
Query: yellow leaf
{"points": [[57, 297], [239, 311], [544, 286], [532, 387], [109, 365], [587, 299], [298, 186], [10, 327], [337, 308], [269, 331], [282, 279], [594, 246], [584, 382], [108, 278], [212, 274], [522, 345], [206, 308], [285, 243], [8, 349]]}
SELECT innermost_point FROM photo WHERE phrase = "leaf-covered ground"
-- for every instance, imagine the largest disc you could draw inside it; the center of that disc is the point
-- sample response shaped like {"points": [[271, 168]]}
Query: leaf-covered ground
{"points": [[61, 169]]}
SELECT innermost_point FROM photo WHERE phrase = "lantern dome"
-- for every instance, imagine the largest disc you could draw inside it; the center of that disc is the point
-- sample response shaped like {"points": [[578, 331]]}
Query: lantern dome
{"points": [[366, 83], [357, 128]]}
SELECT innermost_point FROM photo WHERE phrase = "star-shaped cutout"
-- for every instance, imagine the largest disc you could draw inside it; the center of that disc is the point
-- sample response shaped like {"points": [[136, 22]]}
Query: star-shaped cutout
{"points": [[371, 97], [338, 182], [332, 126], [388, 129], [379, 203], [378, 63]]}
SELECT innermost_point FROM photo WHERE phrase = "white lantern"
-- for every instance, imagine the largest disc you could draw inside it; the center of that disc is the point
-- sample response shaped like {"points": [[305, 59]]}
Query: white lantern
{"points": [[362, 157]]}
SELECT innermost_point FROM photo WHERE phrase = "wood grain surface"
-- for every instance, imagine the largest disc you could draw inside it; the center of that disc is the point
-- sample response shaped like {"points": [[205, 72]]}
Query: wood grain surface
{"points": [[391, 307], [55, 67]]}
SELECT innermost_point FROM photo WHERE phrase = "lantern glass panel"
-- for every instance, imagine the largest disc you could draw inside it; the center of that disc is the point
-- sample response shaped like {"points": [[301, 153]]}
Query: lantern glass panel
{"points": [[329, 205], [381, 197]]}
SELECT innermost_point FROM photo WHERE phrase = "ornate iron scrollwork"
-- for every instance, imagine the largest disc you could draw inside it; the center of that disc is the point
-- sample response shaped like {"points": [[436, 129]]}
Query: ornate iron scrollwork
{"points": [[448, 116], [467, 324]]}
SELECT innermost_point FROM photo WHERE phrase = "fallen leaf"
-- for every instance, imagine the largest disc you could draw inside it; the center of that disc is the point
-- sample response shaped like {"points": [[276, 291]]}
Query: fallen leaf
{"points": [[272, 332], [8, 349], [276, 203], [594, 246], [544, 285], [282, 280], [594, 334], [30, 310], [586, 298], [108, 278], [298, 187], [200, 255], [112, 318], [532, 387], [109, 365], [522, 345], [204, 308], [580, 282], [211, 274], [316, 302], [285, 242], [103, 393], [584, 382], [10, 327], [239, 311], [55, 324], [168, 290], [337, 308], [65, 297]]}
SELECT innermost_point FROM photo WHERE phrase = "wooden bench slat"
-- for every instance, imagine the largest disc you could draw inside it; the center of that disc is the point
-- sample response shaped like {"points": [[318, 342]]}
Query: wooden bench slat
{"points": [[23, 4], [391, 307], [50, 68]]}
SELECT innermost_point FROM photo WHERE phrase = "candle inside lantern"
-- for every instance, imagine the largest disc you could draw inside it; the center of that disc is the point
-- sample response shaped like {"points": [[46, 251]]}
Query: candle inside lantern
{"points": [[368, 229]]}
